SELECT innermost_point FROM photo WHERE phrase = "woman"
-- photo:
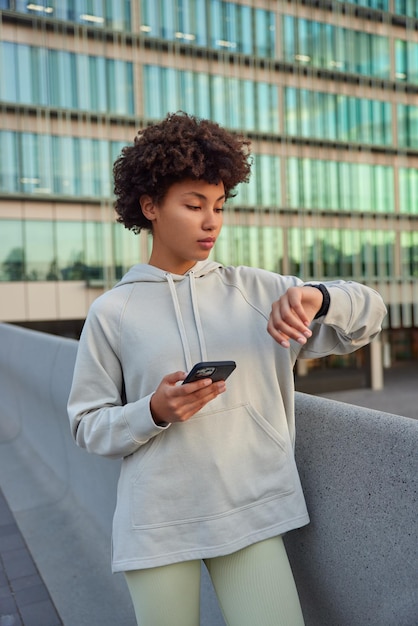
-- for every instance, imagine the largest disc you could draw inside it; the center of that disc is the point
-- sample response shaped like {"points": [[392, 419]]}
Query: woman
{"points": [[208, 469]]}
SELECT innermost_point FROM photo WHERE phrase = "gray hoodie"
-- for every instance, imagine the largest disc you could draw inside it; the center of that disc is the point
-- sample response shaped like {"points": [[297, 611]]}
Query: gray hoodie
{"points": [[227, 477]]}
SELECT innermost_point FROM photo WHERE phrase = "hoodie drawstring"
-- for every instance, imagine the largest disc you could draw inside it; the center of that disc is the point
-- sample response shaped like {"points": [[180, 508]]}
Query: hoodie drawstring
{"points": [[180, 323], [196, 314]]}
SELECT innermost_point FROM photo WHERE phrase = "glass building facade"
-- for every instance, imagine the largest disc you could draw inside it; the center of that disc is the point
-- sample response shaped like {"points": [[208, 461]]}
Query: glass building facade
{"points": [[326, 91]]}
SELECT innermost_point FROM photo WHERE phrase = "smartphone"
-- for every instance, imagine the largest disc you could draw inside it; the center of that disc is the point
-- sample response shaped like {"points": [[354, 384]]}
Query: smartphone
{"points": [[216, 370]]}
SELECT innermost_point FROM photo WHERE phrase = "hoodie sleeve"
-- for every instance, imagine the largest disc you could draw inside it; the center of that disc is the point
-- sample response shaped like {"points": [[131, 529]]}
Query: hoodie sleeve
{"points": [[353, 320], [100, 420]]}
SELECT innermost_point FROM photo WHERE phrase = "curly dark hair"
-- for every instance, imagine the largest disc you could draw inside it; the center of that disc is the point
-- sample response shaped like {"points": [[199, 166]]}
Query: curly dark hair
{"points": [[179, 147]]}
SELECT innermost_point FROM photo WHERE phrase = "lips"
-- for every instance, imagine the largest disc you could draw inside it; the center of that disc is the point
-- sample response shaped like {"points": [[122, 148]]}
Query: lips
{"points": [[207, 243]]}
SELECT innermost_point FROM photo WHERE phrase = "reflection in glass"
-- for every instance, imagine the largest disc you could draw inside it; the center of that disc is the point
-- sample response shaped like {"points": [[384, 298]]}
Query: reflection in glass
{"points": [[71, 246], [40, 251], [12, 254]]}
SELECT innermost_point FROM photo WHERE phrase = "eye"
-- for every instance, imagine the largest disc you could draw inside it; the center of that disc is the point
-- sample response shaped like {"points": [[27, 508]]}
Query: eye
{"points": [[193, 207], [219, 209]]}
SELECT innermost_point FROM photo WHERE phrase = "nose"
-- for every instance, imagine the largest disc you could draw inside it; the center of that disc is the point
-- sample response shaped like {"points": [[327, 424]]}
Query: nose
{"points": [[212, 220]]}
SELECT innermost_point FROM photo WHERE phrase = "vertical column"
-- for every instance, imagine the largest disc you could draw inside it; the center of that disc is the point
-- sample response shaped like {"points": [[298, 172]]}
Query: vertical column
{"points": [[375, 365]]}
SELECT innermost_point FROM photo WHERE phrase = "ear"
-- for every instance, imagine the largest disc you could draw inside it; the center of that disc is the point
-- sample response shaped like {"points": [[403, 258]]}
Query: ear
{"points": [[148, 207]]}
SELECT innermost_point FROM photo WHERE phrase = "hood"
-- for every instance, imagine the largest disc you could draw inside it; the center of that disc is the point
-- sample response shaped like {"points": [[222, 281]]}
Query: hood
{"points": [[142, 272], [148, 273]]}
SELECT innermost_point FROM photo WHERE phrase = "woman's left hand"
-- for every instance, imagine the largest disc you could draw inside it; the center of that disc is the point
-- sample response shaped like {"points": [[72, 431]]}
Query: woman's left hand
{"points": [[292, 313]]}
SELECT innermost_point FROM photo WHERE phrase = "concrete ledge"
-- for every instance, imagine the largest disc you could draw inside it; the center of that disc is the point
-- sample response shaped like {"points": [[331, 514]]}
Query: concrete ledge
{"points": [[354, 564], [357, 561]]}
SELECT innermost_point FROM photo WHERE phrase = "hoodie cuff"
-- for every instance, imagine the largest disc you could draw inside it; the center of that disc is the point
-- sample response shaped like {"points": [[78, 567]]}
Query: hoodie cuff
{"points": [[140, 421]]}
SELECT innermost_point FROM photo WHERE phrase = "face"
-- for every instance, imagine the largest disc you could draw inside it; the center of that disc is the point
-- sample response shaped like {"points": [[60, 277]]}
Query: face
{"points": [[185, 225]]}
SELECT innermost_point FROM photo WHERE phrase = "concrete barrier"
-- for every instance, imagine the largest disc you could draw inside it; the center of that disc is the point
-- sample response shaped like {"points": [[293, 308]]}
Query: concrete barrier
{"points": [[355, 564]]}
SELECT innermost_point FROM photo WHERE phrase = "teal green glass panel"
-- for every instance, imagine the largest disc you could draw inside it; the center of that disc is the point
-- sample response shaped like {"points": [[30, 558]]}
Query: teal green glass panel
{"points": [[30, 175], [66, 167], [153, 92], [264, 33], [118, 14], [12, 252], [289, 38], [168, 19], [292, 106], [333, 253], [332, 185], [408, 126], [63, 88], [8, 74], [408, 190], [116, 149], [9, 162], [43, 250], [409, 254], [150, 19], [268, 177], [247, 113], [90, 74], [217, 97], [31, 75], [267, 108], [312, 114], [406, 7], [226, 26], [95, 166], [202, 95], [120, 86], [401, 60], [218, 103], [255, 246], [200, 21], [384, 189], [318, 44], [70, 246], [40, 251], [63, 79], [115, 14], [126, 249], [364, 186], [294, 183], [246, 30], [44, 164], [94, 252]]}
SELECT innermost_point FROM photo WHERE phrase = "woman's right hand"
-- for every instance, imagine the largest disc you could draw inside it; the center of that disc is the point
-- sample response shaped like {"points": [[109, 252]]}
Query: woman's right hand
{"points": [[172, 402]]}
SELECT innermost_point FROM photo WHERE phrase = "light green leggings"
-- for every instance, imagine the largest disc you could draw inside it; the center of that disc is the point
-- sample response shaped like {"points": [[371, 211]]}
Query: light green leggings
{"points": [[254, 586]]}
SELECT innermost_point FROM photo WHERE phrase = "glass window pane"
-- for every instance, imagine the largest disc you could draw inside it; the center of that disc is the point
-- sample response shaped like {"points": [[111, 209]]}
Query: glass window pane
{"points": [[94, 250], [24, 72], [120, 99], [12, 255], [9, 162], [202, 91], [70, 251], [168, 19], [245, 36], [152, 92], [8, 74], [289, 38], [150, 19], [218, 99], [41, 261], [126, 249], [294, 192], [200, 22]]}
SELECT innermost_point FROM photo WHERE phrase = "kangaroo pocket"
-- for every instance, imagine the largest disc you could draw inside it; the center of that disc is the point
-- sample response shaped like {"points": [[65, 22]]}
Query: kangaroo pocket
{"points": [[211, 466]]}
